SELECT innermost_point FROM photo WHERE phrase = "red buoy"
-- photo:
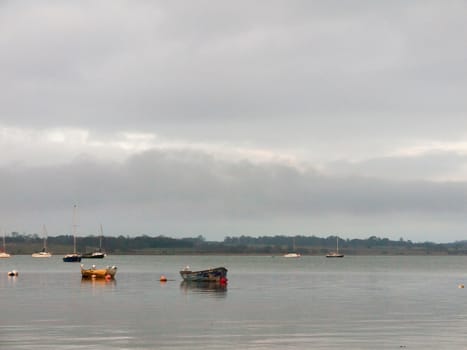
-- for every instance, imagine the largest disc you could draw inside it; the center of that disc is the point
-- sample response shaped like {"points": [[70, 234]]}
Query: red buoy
{"points": [[163, 279]]}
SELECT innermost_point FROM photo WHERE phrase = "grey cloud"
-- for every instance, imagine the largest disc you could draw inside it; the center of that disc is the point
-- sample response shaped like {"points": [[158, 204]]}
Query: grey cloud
{"points": [[158, 64], [431, 165], [173, 192], [323, 79]]}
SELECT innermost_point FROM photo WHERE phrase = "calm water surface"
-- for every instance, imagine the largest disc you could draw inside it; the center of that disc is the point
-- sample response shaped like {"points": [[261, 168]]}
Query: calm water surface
{"points": [[269, 303]]}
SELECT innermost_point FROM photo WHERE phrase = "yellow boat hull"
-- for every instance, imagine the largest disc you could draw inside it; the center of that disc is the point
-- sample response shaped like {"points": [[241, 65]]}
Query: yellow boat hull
{"points": [[93, 273]]}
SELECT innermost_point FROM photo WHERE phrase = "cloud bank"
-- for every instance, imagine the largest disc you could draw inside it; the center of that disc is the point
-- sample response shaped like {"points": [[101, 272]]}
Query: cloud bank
{"points": [[181, 193]]}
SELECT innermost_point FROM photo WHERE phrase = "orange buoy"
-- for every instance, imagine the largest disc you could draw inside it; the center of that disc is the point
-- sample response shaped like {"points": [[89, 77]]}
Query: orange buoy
{"points": [[163, 279]]}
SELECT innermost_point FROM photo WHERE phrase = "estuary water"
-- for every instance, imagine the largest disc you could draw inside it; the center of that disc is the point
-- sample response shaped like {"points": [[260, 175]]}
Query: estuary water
{"points": [[269, 303]]}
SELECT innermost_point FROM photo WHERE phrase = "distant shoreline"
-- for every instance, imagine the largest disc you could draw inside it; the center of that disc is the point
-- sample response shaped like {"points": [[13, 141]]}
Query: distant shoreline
{"points": [[347, 254], [20, 244]]}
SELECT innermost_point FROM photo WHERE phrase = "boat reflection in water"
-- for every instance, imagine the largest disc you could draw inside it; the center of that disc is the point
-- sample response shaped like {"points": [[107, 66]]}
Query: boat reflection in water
{"points": [[209, 288], [98, 283]]}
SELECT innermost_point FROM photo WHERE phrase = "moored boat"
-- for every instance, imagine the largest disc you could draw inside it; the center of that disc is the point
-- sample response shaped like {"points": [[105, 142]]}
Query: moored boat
{"points": [[335, 254], [43, 253], [107, 273], [4, 254], [93, 255], [217, 274], [73, 257], [98, 253], [292, 255]]}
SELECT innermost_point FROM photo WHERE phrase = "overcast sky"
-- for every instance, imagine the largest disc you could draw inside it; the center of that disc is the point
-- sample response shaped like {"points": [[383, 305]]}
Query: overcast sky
{"points": [[228, 118]]}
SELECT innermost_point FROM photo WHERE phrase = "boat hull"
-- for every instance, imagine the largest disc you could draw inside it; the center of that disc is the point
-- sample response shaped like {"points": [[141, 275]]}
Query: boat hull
{"points": [[41, 255], [335, 256], [292, 255], [95, 255], [93, 273], [72, 258], [218, 274]]}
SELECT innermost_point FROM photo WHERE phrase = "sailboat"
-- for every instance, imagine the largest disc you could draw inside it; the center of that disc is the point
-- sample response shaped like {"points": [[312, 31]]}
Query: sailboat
{"points": [[73, 257], [335, 254], [292, 255], [98, 254], [43, 253], [4, 254]]}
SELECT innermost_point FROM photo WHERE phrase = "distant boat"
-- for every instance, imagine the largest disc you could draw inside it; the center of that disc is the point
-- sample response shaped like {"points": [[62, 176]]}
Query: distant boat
{"points": [[74, 257], [4, 254], [93, 255], [335, 254], [98, 254], [292, 255], [107, 273], [217, 274], [43, 253]]}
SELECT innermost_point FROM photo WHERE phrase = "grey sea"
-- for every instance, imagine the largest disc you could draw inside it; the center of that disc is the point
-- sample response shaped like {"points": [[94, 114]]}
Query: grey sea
{"points": [[269, 303]]}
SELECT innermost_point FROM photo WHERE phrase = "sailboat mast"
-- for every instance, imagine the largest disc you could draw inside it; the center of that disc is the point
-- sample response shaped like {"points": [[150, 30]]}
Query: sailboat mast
{"points": [[44, 233], [100, 237], [74, 229]]}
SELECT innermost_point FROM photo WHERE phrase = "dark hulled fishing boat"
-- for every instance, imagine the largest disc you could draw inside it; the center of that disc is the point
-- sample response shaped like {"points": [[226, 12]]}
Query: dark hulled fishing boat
{"points": [[217, 274]]}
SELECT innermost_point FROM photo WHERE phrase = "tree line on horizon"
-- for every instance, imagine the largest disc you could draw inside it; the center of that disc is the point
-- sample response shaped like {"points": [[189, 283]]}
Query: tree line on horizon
{"points": [[271, 245]]}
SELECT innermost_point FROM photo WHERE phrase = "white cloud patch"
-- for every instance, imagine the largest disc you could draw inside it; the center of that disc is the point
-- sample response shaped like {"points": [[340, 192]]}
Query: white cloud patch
{"points": [[62, 145]]}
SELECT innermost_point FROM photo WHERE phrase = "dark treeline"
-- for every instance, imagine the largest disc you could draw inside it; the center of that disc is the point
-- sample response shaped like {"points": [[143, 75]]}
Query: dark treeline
{"points": [[314, 245], [271, 245]]}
